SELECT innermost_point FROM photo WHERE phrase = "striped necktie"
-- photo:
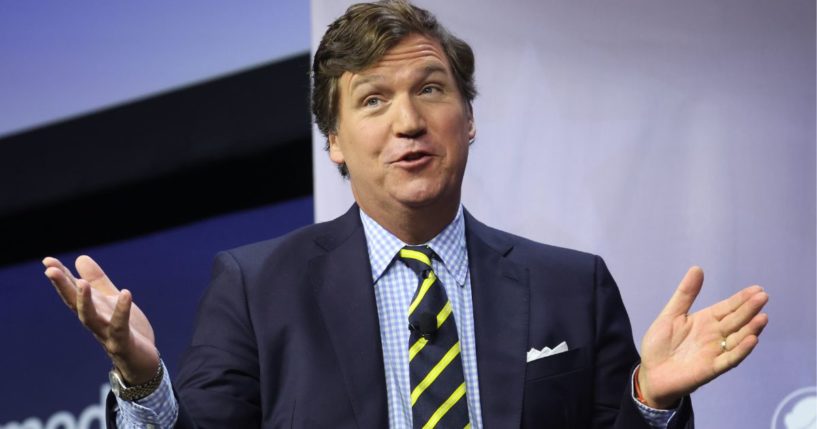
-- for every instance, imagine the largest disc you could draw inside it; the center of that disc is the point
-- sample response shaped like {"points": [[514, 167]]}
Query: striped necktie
{"points": [[435, 367]]}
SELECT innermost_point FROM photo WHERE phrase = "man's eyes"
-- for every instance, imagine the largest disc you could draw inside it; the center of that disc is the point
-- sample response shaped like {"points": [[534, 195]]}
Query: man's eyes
{"points": [[431, 89], [372, 102], [377, 101]]}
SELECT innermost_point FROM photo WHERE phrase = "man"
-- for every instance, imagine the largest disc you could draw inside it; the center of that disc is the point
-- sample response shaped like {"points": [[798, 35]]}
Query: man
{"points": [[407, 311]]}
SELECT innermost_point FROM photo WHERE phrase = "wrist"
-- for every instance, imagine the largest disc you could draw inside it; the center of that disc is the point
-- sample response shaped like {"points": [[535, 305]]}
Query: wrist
{"points": [[645, 397], [137, 370], [134, 392]]}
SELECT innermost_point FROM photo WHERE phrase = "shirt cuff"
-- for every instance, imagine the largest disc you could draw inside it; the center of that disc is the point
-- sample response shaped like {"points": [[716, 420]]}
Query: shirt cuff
{"points": [[656, 418], [157, 410]]}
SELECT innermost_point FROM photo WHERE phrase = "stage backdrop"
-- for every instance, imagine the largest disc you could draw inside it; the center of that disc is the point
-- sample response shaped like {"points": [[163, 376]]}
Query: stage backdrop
{"points": [[57, 373], [62, 60], [659, 135]]}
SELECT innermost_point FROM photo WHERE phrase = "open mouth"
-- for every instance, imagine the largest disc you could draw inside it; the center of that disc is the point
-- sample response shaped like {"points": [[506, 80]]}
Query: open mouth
{"points": [[414, 160], [413, 156]]}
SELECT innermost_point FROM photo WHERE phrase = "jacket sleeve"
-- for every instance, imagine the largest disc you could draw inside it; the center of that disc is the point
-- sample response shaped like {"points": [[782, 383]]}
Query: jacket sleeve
{"points": [[218, 381], [615, 353]]}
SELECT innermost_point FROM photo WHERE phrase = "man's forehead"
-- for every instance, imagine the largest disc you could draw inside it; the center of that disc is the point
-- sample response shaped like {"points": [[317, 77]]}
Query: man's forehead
{"points": [[415, 54], [374, 75], [414, 46]]}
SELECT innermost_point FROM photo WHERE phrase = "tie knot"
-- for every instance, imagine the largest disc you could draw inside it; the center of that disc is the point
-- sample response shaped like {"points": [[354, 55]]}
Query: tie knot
{"points": [[418, 258]]}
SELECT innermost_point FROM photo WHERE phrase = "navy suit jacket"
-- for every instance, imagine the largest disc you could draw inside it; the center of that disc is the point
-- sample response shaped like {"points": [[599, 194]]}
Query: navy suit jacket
{"points": [[288, 336]]}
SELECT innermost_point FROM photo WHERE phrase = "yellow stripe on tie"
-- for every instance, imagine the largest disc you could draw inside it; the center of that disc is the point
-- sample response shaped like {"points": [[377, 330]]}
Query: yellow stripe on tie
{"points": [[413, 254], [416, 347], [435, 372], [450, 402], [422, 292], [443, 314], [467, 426]]}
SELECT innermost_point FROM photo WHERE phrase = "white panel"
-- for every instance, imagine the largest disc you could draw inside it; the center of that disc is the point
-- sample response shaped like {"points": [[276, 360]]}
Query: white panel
{"points": [[659, 135]]}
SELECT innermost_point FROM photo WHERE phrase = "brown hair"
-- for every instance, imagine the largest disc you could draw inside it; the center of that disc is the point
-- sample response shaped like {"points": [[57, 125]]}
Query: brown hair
{"points": [[361, 36]]}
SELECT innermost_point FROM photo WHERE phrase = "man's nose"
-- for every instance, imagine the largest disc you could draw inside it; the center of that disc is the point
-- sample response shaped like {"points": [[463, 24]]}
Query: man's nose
{"points": [[409, 121]]}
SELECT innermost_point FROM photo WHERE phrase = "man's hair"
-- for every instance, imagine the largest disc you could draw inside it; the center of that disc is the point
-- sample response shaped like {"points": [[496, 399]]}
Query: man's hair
{"points": [[360, 38]]}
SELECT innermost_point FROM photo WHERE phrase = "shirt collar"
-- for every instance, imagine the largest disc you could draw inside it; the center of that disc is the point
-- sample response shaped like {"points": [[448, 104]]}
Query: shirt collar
{"points": [[449, 245]]}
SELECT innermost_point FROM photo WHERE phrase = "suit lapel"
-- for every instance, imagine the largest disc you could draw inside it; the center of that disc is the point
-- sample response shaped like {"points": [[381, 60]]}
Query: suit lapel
{"points": [[501, 296], [343, 287]]}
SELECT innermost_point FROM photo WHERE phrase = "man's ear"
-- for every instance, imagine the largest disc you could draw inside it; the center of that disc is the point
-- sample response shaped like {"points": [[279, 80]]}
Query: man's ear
{"points": [[335, 152], [472, 128]]}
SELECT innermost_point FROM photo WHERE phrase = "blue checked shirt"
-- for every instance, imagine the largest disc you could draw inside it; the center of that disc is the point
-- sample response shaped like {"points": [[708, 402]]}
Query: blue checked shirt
{"points": [[394, 286], [157, 410]]}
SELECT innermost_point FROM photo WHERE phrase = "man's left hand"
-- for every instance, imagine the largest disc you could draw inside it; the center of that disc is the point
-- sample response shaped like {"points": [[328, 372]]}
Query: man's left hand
{"points": [[681, 352]]}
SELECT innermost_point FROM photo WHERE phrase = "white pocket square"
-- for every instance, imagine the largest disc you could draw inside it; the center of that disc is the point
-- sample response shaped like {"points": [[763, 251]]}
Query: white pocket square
{"points": [[534, 354]]}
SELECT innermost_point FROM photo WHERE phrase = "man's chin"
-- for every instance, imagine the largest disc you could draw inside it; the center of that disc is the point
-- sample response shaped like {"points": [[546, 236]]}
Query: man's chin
{"points": [[427, 199]]}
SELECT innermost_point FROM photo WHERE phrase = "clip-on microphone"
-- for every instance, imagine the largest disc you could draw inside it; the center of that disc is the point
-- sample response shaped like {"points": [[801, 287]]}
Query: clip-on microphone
{"points": [[425, 325]]}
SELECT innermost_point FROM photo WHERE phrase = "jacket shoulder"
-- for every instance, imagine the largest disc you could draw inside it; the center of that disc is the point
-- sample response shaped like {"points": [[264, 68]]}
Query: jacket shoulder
{"points": [[301, 244], [529, 252]]}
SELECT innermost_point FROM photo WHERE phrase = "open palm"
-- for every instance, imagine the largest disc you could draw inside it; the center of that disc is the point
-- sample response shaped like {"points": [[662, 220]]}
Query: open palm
{"points": [[681, 351], [118, 324]]}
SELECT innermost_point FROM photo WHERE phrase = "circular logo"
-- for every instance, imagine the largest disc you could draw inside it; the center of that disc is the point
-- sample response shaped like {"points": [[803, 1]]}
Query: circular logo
{"points": [[798, 410]]}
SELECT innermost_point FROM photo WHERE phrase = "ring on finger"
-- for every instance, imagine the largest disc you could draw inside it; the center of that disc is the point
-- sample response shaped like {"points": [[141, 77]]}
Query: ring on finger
{"points": [[723, 345]]}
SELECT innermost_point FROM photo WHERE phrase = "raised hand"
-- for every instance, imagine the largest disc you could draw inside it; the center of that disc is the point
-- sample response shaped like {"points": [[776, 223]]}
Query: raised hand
{"points": [[681, 352], [117, 323]]}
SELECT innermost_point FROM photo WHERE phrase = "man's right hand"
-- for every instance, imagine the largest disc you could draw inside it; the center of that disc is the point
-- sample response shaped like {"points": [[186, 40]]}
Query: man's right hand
{"points": [[117, 323]]}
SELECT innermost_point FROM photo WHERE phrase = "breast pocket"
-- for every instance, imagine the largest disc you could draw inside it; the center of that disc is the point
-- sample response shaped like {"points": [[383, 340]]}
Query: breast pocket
{"points": [[571, 360], [558, 390]]}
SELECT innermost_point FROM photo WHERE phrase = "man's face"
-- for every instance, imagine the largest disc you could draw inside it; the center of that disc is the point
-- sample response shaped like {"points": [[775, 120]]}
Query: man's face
{"points": [[403, 129]]}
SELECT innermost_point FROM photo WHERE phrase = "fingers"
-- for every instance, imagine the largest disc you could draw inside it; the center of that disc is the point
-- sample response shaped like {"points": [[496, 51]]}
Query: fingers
{"points": [[732, 358], [103, 309], [119, 330], [89, 270], [86, 310], [681, 301], [753, 328], [729, 305], [114, 334], [741, 343], [65, 287], [49, 262], [78, 294], [754, 298]]}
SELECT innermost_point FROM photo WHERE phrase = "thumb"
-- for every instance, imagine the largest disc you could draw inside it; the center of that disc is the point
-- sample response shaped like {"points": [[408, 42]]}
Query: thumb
{"points": [[89, 270], [681, 301]]}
